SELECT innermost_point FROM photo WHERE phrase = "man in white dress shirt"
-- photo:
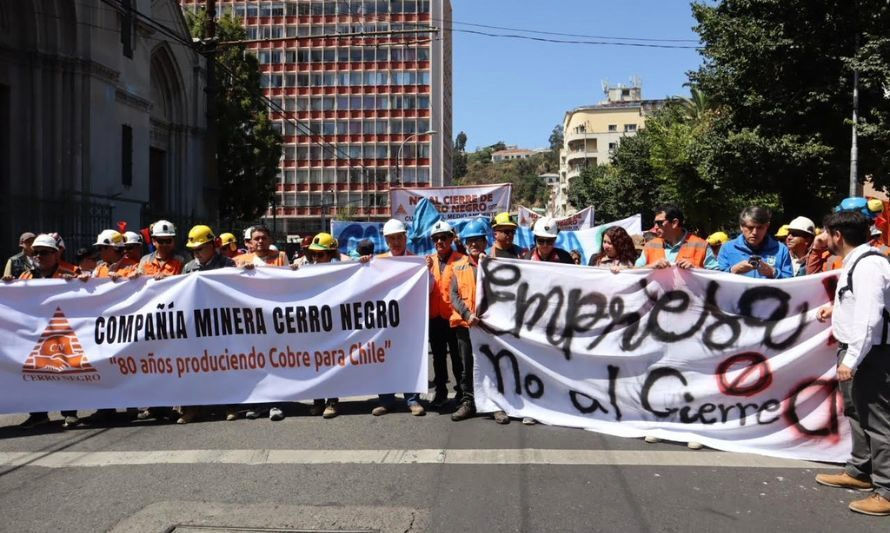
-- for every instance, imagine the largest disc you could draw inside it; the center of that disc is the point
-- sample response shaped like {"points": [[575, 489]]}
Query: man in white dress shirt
{"points": [[860, 323]]}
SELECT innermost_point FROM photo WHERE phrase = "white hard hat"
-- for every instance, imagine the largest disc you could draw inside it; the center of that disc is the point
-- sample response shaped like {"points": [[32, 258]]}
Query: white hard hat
{"points": [[248, 233], [803, 224], [441, 227], [546, 227], [109, 237], [163, 228], [394, 226], [131, 237], [875, 231], [60, 242], [45, 241]]}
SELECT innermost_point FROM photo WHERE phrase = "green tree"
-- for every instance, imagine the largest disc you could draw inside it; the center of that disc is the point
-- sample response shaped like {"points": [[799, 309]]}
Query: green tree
{"points": [[459, 157], [529, 188], [780, 73], [248, 147]]}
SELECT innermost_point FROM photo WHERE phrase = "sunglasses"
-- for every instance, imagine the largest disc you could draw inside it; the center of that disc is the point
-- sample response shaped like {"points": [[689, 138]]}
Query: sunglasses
{"points": [[545, 242], [476, 241], [132, 246], [44, 252], [441, 237], [507, 231], [660, 223], [164, 241]]}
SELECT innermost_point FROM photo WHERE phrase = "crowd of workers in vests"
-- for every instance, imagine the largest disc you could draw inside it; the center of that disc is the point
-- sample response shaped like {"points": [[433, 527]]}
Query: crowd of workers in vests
{"points": [[798, 249]]}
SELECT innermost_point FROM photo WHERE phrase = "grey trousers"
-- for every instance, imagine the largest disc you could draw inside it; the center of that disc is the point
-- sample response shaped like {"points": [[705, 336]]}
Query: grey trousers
{"points": [[870, 394]]}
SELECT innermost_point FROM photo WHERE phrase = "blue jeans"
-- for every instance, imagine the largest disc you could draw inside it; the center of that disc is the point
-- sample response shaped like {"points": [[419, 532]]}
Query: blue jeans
{"points": [[411, 398]]}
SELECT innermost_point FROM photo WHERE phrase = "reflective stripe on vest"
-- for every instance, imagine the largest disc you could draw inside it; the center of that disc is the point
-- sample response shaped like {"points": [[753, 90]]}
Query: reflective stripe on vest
{"points": [[466, 286]]}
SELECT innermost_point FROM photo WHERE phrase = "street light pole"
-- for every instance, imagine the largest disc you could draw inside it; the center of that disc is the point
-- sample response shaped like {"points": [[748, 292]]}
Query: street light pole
{"points": [[399, 160]]}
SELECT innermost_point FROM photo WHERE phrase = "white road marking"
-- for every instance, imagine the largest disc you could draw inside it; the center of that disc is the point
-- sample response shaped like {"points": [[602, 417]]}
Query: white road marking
{"points": [[69, 459]]}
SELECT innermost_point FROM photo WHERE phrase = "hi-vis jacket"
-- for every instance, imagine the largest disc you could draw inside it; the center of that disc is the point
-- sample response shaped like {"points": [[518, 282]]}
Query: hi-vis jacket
{"points": [[440, 296], [463, 292], [694, 249]]}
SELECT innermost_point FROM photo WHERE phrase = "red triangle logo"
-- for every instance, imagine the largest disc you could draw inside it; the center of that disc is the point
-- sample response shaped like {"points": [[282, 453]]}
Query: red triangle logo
{"points": [[58, 351], [401, 210]]}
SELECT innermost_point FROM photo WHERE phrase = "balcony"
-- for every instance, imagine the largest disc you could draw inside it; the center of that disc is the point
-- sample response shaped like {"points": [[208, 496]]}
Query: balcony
{"points": [[576, 136], [580, 155]]}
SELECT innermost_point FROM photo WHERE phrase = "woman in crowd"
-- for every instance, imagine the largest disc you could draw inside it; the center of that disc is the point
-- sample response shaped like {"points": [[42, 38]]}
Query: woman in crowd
{"points": [[618, 250]]}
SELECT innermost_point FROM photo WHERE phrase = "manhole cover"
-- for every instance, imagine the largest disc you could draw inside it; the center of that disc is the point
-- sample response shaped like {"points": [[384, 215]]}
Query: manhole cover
{"points": [[232, 529]]}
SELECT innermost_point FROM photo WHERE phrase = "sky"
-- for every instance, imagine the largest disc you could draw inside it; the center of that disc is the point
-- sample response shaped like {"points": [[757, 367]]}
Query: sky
{"points": [[516, 90]]}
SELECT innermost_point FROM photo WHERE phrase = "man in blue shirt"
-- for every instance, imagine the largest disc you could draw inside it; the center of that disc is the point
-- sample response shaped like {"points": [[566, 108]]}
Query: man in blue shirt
{"points": [[755, 253]]}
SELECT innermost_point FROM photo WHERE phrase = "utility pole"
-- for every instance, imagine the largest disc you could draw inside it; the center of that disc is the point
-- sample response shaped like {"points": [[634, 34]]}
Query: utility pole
{"points": [[855, 189], [212, 188]]}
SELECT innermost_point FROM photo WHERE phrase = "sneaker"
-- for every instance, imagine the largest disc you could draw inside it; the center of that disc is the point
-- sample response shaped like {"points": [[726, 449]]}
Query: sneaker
{"points": [[529, 421], [844, 481], [651, 440], [693, 445], [188, 415], [874, 505], [252, 414], [380, 410], [501, 417], [465, 411], [35, 420], [276, 414], [231, 415], [70, 422], [417, 409], [145, 414], [330, 410]]}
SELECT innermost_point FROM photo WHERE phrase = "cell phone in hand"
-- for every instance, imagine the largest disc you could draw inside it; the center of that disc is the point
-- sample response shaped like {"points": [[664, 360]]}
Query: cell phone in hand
{"points": [[754, 261]]}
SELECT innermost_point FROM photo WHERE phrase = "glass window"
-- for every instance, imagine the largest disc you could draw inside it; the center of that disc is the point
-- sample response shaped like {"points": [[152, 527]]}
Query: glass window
{"points": [[289, 152], [290, 129], [290, 104], [409, 6], [424, 150], [423, 102], [397, 102], [381, 151], [355, 102], [315, 104], [368, 127], [330, 8], [395, 126], [290, 176], [290, 9], [302, 155], [314, 153], [381, 128], [330, 55], [423, 54], [355, 127], [423, 78], [383, 102], [343, 79], [317, 8], [343, 55], [395, 54], [355, 79], [302, 80], [342, 103], [368, 102], [355, 55], [302, 31], [330, 79], [355, 151], [252, 10], [316, 31], [290, 80], [409, 127], [423, 125], [342, 127], [410, 101], [369, 53], [327, 103], [383, 54], [302, 104]]}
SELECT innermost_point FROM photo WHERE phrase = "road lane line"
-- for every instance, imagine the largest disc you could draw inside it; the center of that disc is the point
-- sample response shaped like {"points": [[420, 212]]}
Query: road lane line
{"points": [[713, 459]]}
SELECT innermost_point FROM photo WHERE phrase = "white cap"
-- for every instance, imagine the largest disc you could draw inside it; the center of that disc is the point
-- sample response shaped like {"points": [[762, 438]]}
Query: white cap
{"points": [[45, 241], [131, 237], [248, 233], [441, 227], [163, 228], [803, 224], [109, 237], [546, 227], [394, 226], [273, 248]]}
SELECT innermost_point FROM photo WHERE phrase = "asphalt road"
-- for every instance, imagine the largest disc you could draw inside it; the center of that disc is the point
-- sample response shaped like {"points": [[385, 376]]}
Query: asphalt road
{"points": [[395, 473]]}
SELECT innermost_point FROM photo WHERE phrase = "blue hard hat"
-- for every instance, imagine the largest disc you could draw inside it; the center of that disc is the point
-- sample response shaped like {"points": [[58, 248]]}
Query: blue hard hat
{"points": [[475, 228], [855, 204]]}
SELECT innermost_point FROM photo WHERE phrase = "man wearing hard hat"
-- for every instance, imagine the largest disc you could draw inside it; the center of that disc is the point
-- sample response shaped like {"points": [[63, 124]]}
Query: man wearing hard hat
{"points": [[716, 240], [163, 261], [800, 234], [545, 231], [133, 245], [262, 254], [228, 245], [113, 262], [442, 339], [504, 232]]}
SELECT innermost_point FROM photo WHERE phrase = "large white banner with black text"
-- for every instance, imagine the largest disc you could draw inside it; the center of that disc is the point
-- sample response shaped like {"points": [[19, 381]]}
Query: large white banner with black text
{"points": [[734, 363], [452, 203], [219, 337]]}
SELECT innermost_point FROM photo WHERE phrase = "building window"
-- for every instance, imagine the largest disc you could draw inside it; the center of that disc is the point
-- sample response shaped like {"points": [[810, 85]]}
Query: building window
{"points": [[127, 28], [613, 127], [126, 155], [630, 127], [613, 146]]}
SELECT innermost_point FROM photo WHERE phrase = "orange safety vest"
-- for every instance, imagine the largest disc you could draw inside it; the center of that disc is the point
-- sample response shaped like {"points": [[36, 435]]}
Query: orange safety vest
{"points": [[62, 269], [831, 262], [463, 272], [149, 265], [440, 296], [124, 267], [279, 260], [694, 249]]}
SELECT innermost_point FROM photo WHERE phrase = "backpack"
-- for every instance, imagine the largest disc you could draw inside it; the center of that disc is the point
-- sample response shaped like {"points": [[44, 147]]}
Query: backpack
{"points": [[849, 288]]}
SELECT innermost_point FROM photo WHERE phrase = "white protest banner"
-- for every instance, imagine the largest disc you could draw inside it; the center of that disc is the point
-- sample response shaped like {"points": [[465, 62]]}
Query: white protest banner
{"points": [[219, 337], [582, 219], [453, 202], [735, 363]]}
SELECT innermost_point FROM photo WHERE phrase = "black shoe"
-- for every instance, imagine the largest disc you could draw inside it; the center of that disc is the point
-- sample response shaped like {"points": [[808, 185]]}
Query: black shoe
{"points": [[439, 400], [34, 420], [465, 411], [501, 417]]}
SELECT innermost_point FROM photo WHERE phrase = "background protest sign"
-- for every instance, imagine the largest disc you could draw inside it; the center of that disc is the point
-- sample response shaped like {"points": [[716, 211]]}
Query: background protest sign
{"points": [[349, 233], [452, 202], [220, 337], [738, 364], [582, 219]]}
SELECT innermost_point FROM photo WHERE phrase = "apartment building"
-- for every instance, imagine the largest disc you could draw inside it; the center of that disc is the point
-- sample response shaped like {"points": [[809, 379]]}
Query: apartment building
{"points": [[365, 88], [592, 132]]}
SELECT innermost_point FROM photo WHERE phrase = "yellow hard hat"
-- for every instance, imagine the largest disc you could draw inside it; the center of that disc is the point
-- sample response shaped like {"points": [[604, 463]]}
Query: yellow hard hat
{"points": [[875, 205], [227, 239], [503, 220], [783, 232], [199, 236], [718, 237], [323, 242]]}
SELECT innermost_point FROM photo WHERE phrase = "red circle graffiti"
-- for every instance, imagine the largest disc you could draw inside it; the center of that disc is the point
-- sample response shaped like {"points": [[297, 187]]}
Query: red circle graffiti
{"points": [[754, 362]]}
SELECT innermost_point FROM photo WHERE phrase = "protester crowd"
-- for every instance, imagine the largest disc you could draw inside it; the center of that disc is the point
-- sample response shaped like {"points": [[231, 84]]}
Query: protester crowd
{"points": [[848, 237]]}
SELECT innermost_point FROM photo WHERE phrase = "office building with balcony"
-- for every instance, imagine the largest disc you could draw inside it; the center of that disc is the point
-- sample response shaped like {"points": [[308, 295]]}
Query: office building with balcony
{"points": [[591, 133], [360, 83]]}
